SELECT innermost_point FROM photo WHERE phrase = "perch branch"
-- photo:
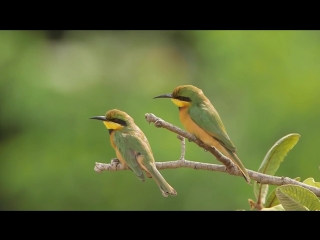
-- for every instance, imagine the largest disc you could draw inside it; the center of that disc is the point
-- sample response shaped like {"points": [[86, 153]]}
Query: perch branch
{"points": [[183, 163], [158, 122]]}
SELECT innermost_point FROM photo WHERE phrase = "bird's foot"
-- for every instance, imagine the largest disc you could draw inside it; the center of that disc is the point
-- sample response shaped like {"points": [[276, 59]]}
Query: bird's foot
{"points": [[115, 162]]}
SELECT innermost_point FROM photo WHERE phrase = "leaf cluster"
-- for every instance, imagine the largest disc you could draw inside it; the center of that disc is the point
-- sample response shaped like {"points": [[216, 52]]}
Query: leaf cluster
{"points": [[286, 197]]}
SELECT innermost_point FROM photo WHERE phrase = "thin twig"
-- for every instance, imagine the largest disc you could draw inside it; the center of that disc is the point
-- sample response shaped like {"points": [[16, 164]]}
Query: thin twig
{"points": [[183, 147]]}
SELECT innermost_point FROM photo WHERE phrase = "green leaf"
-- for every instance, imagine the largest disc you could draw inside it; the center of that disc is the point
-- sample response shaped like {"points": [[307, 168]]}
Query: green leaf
{"points": [[272, 199], [271, 162], [310, 181], [297, 198], [276, 154], [278, 207], [297, 179]]}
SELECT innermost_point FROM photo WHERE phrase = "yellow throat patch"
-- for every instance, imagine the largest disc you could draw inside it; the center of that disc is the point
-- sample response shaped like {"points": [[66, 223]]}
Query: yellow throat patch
{"points": [[112, 125], [180, 103]]}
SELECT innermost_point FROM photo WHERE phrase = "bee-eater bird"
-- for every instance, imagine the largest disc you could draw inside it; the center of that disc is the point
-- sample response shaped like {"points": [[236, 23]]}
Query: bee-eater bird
{"points": [[132, 148], [200, 118]]}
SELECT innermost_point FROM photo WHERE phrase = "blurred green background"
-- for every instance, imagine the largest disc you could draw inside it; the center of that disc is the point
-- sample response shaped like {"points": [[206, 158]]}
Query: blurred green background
{"points": [[264, 84]]}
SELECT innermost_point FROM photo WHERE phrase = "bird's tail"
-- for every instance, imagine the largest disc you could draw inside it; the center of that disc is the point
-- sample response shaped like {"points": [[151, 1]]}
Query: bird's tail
{"points": [[165, 187], [239, 164]]}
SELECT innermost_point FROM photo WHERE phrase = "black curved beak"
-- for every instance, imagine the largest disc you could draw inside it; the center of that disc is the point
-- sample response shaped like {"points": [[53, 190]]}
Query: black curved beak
{"points": [[102, 118], [168, 95]]}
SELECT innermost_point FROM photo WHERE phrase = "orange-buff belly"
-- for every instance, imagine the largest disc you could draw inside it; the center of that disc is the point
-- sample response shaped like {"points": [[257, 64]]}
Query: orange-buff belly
{"points": [[193, 128]]}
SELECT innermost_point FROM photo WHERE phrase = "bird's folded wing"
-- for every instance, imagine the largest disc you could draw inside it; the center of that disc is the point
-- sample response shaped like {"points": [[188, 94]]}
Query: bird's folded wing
{"points": [[206, 117], [125, 144]]}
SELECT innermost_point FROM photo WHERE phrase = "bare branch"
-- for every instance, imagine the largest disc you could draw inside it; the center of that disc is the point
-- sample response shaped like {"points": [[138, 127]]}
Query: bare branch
{"points": [[228, 166], [158, 122], [182, 163]]}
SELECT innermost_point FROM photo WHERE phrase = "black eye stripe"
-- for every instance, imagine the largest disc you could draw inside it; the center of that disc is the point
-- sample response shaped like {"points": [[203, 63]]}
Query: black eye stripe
{"points": [[186, 99], [119, 121]]}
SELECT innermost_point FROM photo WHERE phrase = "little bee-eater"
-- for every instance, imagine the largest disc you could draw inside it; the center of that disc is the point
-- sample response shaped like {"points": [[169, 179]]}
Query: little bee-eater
{"points": [[132, 148], [201, 119]]}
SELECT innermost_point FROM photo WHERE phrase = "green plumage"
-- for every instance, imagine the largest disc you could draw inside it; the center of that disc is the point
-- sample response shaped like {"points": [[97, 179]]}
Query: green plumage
{"points": [[132, 148], [130, 143], [206, 117], [200, 118]]}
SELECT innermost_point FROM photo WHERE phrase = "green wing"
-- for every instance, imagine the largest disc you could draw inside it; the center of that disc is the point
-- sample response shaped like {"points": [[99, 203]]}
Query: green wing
{"points": [[129, 146], [206, 117]]}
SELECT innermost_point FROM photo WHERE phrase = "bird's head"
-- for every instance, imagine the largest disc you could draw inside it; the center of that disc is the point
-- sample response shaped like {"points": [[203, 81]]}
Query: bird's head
{"points": [[115, 119], [184, 95]]}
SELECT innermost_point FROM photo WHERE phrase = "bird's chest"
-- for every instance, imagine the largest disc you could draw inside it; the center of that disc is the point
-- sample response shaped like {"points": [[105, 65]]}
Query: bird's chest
{"points": [[187, 122], [194, 128], [113, 144], [112, 140]]}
